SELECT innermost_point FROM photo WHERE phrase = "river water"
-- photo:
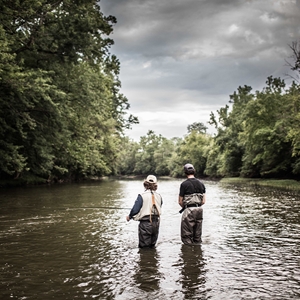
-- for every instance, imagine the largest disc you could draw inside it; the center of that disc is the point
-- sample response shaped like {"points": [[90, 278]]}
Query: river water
{"points": [[73, 242]]}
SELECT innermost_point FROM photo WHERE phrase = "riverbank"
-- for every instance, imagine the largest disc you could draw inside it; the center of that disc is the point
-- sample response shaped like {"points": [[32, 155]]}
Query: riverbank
{"points": [[288, 184], [38, 181]]}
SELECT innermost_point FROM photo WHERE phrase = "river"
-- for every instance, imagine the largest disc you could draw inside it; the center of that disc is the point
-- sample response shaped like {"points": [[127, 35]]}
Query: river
{"points": [[72, 241]]}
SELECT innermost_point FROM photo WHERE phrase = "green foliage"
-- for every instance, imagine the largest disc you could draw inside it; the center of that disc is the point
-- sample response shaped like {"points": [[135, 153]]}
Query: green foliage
{"points": [[62, 115], [153, 155], [230, 126], [197, 126], [214, 159], [192, 150], [162, 156], [126, 159], [157, 155], [259, 136], [61, 111], [267, 151]]}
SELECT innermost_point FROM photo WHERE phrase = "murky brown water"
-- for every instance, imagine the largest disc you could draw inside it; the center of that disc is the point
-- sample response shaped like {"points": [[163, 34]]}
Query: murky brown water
{"points": [[72, 242]]}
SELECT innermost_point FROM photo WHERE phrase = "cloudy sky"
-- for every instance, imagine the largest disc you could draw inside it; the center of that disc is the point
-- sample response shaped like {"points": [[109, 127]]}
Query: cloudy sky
{"points": [[181, 59]]}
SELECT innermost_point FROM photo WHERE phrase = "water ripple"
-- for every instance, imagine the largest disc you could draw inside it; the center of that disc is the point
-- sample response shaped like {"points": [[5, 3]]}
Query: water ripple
{"points": [[72, 242]]}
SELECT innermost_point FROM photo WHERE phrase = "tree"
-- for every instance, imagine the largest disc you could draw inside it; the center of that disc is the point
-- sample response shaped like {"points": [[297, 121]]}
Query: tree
{"points": [[199, 127], [267, 149], [295, 64], [60, 93], [126, 158], [192, 150], [162, 156], [229, 126], [145, 161]]}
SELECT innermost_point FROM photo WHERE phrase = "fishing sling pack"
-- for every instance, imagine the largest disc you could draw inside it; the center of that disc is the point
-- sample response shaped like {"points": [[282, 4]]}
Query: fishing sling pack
{"points": [[153, 206]]}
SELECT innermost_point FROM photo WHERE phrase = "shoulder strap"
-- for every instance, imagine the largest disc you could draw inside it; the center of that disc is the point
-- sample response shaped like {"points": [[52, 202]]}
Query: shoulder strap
{"points": [[153, 204]]}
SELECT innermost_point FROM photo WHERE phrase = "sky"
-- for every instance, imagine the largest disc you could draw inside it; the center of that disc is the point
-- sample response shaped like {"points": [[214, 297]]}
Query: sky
{"points": [[181, 59]]}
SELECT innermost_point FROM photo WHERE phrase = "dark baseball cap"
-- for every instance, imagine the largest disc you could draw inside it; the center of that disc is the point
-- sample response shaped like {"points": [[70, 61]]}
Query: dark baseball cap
{"points": [[188, 167]]}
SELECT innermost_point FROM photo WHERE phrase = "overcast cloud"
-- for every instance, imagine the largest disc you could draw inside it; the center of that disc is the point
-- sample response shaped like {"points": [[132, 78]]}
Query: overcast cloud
{"points": [[181, 59]]}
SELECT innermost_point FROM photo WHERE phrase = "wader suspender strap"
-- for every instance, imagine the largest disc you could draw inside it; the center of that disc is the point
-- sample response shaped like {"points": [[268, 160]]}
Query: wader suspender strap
{"points": [[153, 204], [190, 181], [195, 189]]}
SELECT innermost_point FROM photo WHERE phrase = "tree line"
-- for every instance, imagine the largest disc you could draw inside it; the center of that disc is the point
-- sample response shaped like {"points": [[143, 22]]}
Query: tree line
{"points": [[62, 116], [61, 110], [258, 136]]}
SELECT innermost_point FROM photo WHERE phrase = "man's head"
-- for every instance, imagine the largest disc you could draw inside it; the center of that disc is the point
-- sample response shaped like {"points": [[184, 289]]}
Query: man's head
{"points": [[150, 183], [189, 169]]}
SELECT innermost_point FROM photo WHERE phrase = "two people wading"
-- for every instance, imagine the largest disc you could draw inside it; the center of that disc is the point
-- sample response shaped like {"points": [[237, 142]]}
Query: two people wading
{"points": [[147, 210]]}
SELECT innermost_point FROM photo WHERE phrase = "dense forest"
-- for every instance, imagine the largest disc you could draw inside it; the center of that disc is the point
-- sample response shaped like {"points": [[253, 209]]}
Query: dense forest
{"points": [[62, 115], [61, 110]]}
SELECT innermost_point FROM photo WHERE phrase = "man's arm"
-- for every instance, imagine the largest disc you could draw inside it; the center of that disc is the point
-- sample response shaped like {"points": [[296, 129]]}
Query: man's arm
{"points": [[203, 199], [180, 201]]}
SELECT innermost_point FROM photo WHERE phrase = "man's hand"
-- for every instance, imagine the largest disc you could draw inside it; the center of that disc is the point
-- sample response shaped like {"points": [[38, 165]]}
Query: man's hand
{"points": [[127, 218]]}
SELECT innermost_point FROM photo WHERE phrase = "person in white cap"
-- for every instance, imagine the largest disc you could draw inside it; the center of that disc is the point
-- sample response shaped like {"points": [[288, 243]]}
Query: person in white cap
{"points": [[147, 210], [191, 198]]}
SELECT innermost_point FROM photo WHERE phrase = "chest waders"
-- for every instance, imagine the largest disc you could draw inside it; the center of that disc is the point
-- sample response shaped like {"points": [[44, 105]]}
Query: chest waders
{"points": [[192, 217], [149, 227]]}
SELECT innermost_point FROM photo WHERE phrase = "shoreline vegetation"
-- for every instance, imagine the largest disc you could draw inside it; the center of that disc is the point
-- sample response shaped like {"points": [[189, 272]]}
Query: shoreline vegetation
{"points": [[63, 115], [288, 184]]}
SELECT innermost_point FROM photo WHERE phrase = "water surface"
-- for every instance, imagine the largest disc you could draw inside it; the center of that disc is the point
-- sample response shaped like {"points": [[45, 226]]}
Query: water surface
{"points": [[73, 242]]}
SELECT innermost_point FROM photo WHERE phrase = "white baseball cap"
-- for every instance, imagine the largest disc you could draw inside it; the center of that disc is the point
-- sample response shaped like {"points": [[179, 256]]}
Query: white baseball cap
{"points": [[151, 179]]}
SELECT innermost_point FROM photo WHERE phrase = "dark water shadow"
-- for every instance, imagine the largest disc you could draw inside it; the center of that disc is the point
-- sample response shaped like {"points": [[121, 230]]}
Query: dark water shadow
{"points": [[193, 272], [148, 277]]}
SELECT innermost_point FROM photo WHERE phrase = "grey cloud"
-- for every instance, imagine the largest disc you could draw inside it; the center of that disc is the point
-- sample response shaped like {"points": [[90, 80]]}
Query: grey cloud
{"points": [[199, 51], [170, 28]]}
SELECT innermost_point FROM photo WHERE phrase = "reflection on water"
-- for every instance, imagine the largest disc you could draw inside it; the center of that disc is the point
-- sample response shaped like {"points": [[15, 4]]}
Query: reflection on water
{"points": [[73, 242], [147, 275], [193, 272]]}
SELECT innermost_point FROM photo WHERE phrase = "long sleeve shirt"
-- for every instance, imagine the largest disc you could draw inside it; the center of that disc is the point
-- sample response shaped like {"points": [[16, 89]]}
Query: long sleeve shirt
{"points": [[137, 206]]}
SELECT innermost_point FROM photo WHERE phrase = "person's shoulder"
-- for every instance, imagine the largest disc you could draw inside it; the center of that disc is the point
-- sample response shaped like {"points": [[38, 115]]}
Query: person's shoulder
{"points": [[145, 192], [198, 180], [157, 193], [202, 183], [186, 180]]}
